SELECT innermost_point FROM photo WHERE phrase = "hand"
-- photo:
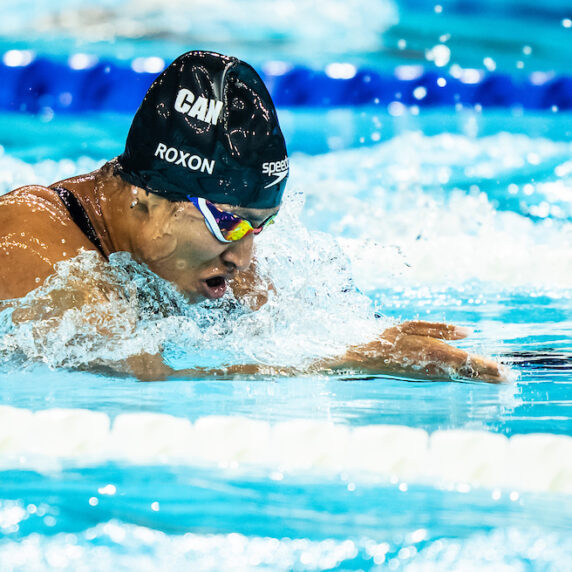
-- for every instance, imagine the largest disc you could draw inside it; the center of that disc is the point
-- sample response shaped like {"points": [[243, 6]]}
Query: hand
{"points": [[250, 289], [412, 349], [417, 349]]}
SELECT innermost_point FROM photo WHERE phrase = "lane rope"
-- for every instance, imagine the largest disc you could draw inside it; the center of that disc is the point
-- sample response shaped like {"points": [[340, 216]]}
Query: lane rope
{"points": [[82, 83], [447, 458]]}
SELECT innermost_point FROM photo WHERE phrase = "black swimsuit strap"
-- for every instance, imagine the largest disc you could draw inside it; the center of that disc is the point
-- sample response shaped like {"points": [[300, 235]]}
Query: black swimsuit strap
{"points": [[79, 216]]}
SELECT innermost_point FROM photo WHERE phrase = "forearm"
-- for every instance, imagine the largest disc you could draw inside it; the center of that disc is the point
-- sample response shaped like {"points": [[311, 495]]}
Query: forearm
{"points": [[151, 367], [412, 350]]}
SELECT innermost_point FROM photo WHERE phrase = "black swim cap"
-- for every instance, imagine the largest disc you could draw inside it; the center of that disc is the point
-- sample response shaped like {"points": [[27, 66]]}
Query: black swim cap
{"points": [[207, 127]]}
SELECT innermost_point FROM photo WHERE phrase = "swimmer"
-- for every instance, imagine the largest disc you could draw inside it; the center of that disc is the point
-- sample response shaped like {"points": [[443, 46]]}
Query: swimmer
{"points": [[202, 174]]}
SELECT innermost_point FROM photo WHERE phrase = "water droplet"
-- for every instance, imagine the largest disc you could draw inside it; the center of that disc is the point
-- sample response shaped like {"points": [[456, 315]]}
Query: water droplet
{"points": [[490, 64]]}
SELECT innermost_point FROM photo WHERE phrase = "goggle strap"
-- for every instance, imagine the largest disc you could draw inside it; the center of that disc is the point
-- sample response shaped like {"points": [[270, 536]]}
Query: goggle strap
{"points": [[209, 219]]}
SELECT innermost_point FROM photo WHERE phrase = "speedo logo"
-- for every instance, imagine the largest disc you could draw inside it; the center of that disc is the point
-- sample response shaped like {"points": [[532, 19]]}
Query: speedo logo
{"points": [[201, 108], [277, 168], [178, 157]]}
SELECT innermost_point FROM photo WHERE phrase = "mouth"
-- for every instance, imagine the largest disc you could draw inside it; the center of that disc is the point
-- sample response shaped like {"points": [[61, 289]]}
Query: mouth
{"points": [[215, 287]]}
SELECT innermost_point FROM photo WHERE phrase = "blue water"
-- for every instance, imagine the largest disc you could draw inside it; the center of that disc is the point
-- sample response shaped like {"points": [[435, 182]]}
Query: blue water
{"points": [[472, 225]]}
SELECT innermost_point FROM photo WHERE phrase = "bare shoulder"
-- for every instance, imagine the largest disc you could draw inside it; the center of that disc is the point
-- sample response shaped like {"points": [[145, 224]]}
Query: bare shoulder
{"points": [[29, 201], [36, 232]]}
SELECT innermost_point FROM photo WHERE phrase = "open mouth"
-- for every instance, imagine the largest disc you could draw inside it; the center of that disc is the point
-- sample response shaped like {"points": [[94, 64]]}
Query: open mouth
{"points": [[215, 282], [215, 286]]}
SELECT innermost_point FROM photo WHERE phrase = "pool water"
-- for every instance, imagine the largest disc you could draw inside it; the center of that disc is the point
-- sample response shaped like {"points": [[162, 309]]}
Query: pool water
{"points": [[478, 256], [426, 214]]}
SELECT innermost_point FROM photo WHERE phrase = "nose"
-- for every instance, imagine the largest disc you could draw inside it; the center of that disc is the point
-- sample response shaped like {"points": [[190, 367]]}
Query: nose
{"points": [[239, 254]]}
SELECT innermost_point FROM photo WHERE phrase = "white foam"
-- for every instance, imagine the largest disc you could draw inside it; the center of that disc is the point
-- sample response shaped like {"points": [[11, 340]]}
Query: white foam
{"points": [[129, 547], [446, 209], [313, 312], [49, 438]]}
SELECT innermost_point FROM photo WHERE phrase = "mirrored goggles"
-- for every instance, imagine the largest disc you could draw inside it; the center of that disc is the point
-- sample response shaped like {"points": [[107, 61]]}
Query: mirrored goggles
{"points": [[225, 226]]}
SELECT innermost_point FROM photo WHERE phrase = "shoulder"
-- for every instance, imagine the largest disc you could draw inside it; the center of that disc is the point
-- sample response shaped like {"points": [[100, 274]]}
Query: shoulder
{"points": [[29, 201], [36, 232], [35, 209]]}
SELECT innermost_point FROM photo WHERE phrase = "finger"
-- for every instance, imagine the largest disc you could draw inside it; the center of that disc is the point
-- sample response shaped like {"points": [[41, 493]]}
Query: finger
{"points": [[484, 369], [435, 330], [442, 356]]}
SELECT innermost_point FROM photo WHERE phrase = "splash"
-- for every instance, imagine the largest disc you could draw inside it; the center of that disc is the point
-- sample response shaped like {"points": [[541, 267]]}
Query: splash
{"points": [[447, 210], [443, 217], [90, 312]]}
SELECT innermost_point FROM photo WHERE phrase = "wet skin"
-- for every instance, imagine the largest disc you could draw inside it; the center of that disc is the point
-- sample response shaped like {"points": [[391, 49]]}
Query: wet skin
{"points": [[171, 238]]}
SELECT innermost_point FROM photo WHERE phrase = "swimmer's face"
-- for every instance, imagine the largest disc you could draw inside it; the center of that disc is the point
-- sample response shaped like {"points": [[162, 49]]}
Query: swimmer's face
{"points": [[174, 241]]}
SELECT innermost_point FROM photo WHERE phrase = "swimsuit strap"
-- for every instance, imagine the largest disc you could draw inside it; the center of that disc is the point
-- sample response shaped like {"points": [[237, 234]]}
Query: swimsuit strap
{"points": [[79, 216]]}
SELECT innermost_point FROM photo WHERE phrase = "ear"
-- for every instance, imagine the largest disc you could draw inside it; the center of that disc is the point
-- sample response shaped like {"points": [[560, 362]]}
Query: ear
{"points": [[154, 236], [147, 202]]}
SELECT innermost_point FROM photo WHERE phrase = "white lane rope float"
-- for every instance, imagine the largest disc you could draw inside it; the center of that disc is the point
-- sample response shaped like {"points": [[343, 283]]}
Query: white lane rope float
{"points": [[449, 458]]}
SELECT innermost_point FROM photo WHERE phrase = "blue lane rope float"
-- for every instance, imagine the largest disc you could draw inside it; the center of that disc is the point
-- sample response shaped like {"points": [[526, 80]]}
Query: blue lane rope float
{"points": [[83, 83]]}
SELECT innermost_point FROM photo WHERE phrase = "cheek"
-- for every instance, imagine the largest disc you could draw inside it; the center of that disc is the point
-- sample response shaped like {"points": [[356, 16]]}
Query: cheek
{"points": [[152, 244], [188, 260], [182, 245], [195, 253]]}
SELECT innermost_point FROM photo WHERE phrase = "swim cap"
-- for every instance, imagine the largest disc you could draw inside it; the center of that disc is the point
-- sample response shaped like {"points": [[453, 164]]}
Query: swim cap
{"points": [[207, 128]]}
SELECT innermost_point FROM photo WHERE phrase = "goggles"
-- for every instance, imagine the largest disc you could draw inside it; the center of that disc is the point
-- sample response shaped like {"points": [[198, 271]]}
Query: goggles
{"points": [[225, 226]]}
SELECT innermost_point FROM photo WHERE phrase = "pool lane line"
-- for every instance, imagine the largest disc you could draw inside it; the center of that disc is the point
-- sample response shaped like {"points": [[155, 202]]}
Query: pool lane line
{"points": [[81, 83], [455, 458]]}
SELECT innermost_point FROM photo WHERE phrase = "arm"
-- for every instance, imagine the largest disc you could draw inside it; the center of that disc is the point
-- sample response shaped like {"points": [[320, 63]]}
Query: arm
{"points": [[412, 350]]}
